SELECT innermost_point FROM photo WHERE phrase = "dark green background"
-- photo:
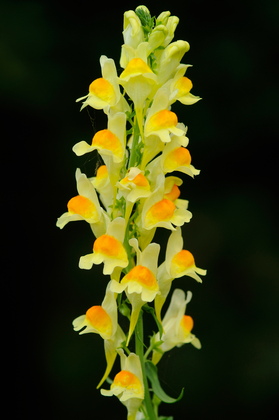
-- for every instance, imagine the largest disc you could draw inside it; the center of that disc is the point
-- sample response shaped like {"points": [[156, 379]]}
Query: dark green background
{"points": [[49, 55]]}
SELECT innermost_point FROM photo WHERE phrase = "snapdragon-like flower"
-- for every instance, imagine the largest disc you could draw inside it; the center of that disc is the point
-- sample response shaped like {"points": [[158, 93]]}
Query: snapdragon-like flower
{"points": [[108, 249], [111, 145], [159, 211], [170, 23], [177, 326], [177, 158], [104, 92], [102, 184], [160, 121], [179, 262], [172, 191], [84, 206], [140, 282], [132, 29], [134, 185], [138, 81], [109, 142], [169, 60], [180, 86], [128, 384], [102, 320]]}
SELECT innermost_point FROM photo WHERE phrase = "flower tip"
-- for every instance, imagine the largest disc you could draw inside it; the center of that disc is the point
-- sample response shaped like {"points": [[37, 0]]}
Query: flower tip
{"points": [[143, 13]]}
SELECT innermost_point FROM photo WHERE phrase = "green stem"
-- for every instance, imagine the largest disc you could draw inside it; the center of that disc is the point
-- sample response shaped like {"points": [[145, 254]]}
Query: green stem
{"points": [[136, 135], [139, 351]]}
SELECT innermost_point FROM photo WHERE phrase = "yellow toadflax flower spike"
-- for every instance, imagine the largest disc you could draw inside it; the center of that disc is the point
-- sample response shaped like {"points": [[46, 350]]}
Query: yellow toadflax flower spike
{"points": [[132, 193]]}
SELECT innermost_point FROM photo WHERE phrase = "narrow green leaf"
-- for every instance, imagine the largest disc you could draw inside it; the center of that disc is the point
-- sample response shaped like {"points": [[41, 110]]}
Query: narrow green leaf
{"points": [[165, 418], [152, 375]]}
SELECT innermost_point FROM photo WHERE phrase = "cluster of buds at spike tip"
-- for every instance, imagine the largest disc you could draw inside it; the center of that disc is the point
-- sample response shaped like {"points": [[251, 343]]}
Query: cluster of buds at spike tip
{"points": [[132, 194]]}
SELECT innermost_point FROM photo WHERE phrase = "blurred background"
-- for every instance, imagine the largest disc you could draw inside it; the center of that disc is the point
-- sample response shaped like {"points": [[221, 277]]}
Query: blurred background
{"points": [[49, 55]]}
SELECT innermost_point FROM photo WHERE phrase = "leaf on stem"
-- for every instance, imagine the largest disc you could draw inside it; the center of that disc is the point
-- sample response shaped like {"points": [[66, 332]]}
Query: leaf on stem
{"points": [[152, 375]]}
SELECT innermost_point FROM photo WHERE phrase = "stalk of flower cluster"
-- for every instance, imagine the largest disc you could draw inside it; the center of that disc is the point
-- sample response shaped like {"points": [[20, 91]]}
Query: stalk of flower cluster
{"points": [[132, 194]]}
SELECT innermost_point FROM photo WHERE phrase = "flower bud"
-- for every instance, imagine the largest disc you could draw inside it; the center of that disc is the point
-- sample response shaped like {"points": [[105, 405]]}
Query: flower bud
{"points": [[170, 59], [133, 33], [157, 37]]}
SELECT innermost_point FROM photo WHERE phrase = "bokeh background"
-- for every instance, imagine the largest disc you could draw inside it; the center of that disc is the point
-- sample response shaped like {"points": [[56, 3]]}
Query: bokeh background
{"points": [[49, 54]]}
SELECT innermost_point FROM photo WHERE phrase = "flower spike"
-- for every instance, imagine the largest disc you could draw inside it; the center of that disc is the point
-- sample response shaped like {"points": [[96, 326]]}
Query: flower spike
{"points": [[133, 195]]}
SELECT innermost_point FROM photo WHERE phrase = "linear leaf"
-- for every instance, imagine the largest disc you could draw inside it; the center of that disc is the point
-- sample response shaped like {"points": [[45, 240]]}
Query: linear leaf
{"points": [[152, 374]]}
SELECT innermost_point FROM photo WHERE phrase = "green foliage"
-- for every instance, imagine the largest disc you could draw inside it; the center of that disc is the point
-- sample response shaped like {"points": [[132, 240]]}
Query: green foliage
{"points": [[146, 20], [152, 374], [165, 418]]}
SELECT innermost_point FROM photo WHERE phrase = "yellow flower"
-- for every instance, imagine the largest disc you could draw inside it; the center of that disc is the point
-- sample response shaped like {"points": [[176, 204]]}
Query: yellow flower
{"points": [[170, 23], [132, 29], [108, 249], [138, 81], [169, 60], [161, 212], [140, 282], [128, 384], [107, 143], [84, 206], [160, 121], [104, 92], [111, 145], [102, 320], [136, 67], [177, 158], [180, 86], [172, 192], [134, 185], [176, 326], [103, 185], [157, 37], [96, 320], [110, 142], [152, 147], [179, 262]]}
